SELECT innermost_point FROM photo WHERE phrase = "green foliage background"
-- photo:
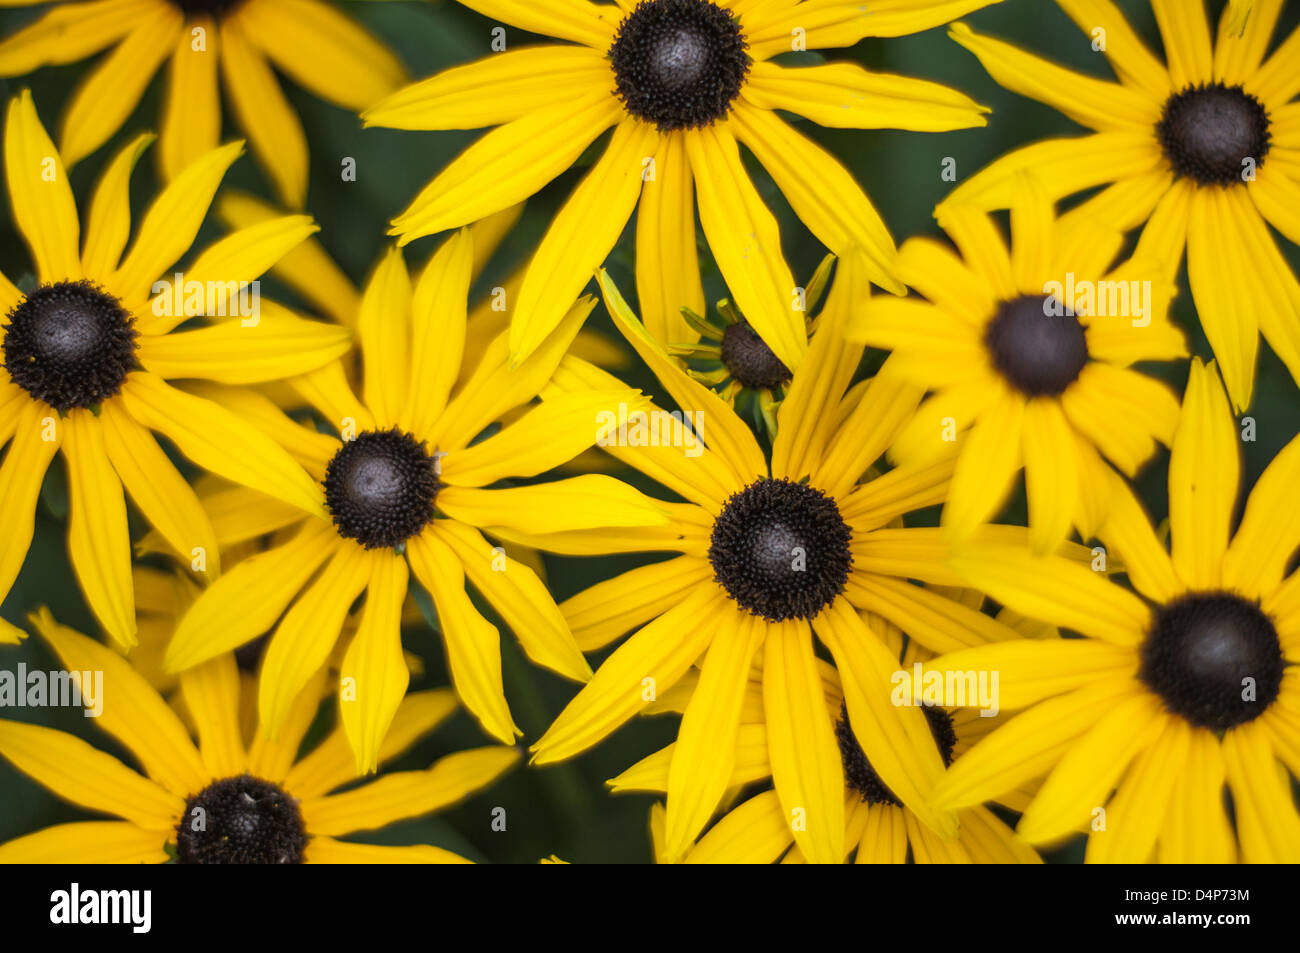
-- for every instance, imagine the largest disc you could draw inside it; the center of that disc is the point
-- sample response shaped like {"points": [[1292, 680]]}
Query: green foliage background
{"points": [[565, 809]]}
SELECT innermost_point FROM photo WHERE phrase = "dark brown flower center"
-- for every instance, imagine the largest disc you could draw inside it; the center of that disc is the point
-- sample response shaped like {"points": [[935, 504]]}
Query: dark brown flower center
{"points": [[679, 63], [1214, 658], [241, 820], [781, 550], [862, 777], [749, 360], [1036, 349], [380, 488], [69, 344], [1214, 134]]}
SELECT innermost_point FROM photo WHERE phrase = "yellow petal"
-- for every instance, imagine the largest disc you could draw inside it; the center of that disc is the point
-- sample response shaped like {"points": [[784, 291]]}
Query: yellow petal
{"points": [[98, 543], [40, 197], [705, 753], [266, 116], [108, 94], [438, 323], [109, 222], [806, 766], [191, 122], [87, 776], [211, 692], [218, 440], [303, 640], [647, 664], [472, 643], [405, 794], [519, 596], [87, 842], [668, 265], [581, 502], [246, 601]]}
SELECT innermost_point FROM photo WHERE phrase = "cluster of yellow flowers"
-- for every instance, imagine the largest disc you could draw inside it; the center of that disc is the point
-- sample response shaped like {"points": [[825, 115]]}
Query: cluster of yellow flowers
{"points": [[844, 690]]}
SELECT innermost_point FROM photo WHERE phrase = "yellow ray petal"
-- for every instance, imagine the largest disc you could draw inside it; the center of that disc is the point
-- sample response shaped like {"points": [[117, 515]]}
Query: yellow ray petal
{"points": [[327, 850], [1136, 813], [801, 742], [98, 543], [109, 223], [172, 221], [1268, 826], [647, 664], [820, 190], [21, 475], [1090, 102], [161, 493], [1129, 530], [70, 32], [266, 116], [40, 197], [438, 325], [507, 165], [1125, 51], [472, 643], [1051, 474], [247, 600], [1186, 35], [1196, 827], [87, 842], [395, 797], [218, 440], [374, 666], [303, 640], [108, 94], [330, 764], [548, 435], [576, 20], [756, 832], [705, 752], [1091, 768], [581, 236], [613, 607], [989, 462], [1204, 471], [519, 596], [87, 776], [1054, 589], [128, 707], [384, 328], [329, 53], [233, 353], [896, 740], [746, 243], [668, 272], [1030, 744], [582, 502], [211, 692], [493, 90], [191, 122]]}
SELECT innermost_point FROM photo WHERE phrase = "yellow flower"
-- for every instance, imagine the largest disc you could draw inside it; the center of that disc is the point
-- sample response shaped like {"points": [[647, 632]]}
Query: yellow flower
{"points": [[198, 804], [1029, 350], [1205, 150], [682, 83], [89, 349], [770, 553], [876, 825], [404, 488], [323, 50], [1171, 693], [734, 361]]}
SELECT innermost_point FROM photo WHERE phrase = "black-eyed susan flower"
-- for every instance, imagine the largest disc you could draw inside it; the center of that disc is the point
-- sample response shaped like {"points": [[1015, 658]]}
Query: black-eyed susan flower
{"points": [[734, 361], [1030, 350], [769, 553], [1175, 695], [1204, 149], [407, 490], [681, 83], [206, 44], [89, 348], [229, 799], [878, 828]]}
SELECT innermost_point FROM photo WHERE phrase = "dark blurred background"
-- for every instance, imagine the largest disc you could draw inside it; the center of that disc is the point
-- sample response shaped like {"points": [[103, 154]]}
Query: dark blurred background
{"points": [[565, 809]]}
